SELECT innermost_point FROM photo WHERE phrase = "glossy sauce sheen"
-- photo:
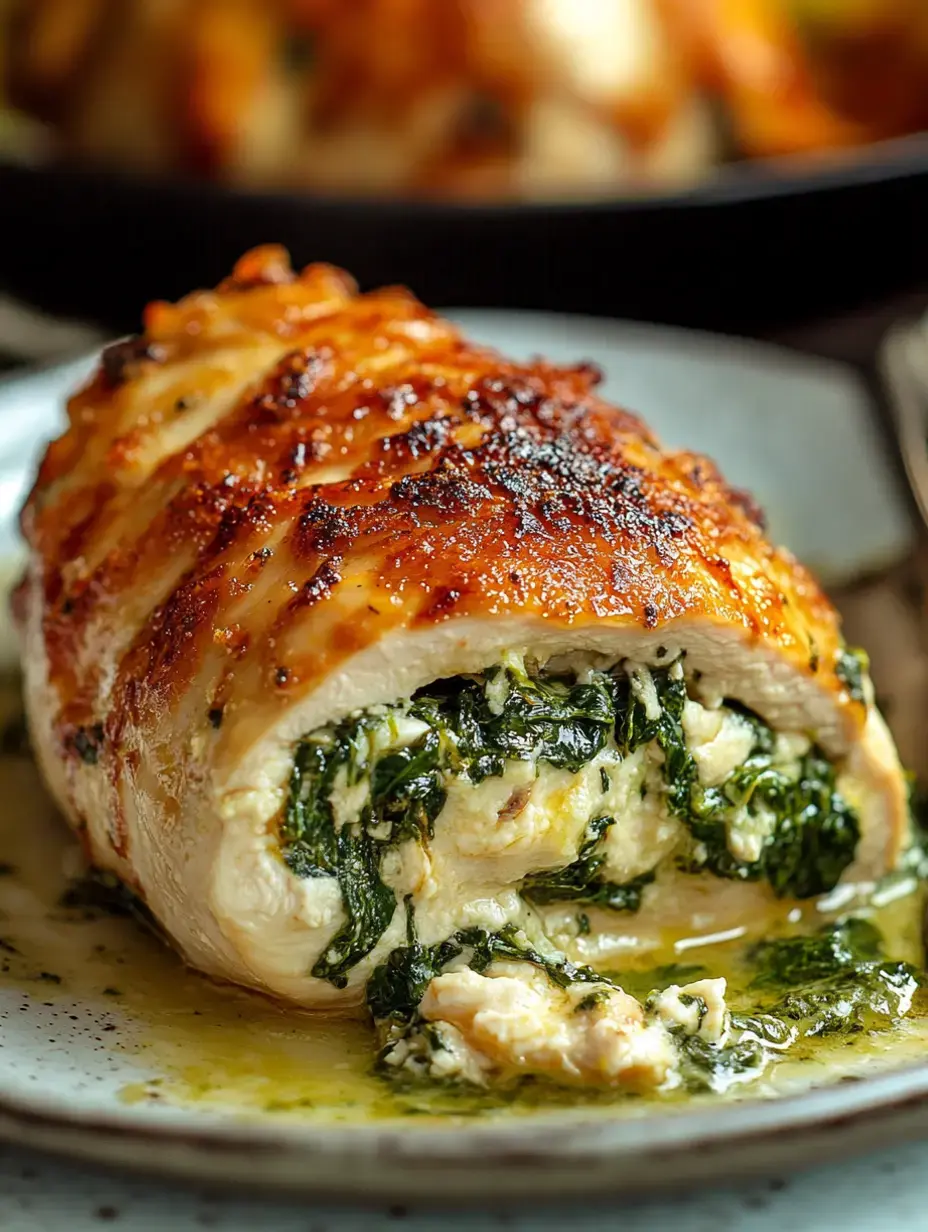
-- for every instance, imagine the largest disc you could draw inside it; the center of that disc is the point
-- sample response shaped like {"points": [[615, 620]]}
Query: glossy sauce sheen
{"points": [[201, 1044]]}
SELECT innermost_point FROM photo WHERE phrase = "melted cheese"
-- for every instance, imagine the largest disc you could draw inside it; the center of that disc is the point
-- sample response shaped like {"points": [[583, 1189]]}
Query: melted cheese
{"points": [[697, 1009], [644, 833], [719, 740], [513, 1019]]}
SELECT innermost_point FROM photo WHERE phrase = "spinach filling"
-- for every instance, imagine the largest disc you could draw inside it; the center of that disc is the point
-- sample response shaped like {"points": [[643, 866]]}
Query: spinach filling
{"points": [[476, 725], [399, 984], [813, 833], [580, 882], [851, 668], [511, 715], [405, 796], [551, 720], [835, 982]]}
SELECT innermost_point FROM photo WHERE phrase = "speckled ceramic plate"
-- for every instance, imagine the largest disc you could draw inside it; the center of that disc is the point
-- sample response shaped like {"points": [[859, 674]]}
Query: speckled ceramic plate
{"points": [[111, 1050]]}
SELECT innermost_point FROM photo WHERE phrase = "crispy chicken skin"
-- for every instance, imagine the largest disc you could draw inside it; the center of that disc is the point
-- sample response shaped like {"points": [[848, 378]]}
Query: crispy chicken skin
{"points": [[284, 501]]}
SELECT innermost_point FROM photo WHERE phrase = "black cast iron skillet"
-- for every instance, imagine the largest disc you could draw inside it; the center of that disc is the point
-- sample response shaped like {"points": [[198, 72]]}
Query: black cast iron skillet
{"points": [[754, 246]]}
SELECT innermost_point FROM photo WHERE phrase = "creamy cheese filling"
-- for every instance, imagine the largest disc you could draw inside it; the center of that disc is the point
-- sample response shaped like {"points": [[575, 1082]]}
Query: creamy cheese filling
{"points": [[484, 802]]}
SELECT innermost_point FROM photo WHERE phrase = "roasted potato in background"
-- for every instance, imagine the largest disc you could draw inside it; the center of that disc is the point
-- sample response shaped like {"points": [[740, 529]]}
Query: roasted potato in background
{"points": [[464, 98]]}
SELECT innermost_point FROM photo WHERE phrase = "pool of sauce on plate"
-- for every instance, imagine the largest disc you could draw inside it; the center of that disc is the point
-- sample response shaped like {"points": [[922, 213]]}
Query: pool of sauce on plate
{"points": [[202, 1044]]}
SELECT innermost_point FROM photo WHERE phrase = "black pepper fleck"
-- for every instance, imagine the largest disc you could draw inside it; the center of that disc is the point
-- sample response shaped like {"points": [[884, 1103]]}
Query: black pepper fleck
{"points": [[86, 742]]}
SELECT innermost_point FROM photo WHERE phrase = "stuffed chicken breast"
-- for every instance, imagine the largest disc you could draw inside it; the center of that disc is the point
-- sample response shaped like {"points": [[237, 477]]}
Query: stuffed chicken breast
{"points": [[383, 669]]}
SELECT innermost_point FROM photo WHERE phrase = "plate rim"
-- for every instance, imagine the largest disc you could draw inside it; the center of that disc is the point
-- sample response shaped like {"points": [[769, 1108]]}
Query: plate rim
{"points": [[554, 1155]]}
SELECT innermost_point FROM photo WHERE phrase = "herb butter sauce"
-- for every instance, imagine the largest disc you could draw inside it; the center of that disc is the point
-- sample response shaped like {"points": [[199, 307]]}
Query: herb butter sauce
{"points": [[198, 1043]]}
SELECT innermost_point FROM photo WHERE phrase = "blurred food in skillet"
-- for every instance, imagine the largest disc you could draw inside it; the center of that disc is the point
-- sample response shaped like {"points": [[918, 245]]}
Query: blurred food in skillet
{"points": [[467, 98]]}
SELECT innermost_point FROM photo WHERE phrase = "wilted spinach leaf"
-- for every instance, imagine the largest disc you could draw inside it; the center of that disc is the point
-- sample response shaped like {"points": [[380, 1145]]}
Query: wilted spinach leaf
{"points": [[851, 669], [838, 981], [790, 961], [815, 833], [406, 791], [580, 882], [398, 984], [369, 906], [529, 717]]}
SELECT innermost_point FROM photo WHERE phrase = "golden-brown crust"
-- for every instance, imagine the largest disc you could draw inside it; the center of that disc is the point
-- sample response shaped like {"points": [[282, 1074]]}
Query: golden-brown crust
{"points": [[372, 471]]}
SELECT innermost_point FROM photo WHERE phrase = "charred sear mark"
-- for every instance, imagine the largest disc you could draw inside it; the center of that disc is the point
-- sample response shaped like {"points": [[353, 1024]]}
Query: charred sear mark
{"points": [[503, 400], [289, 388], [536, 470], [554, 399], [444, 490], [749, 507], [319, 587], [536, 482], [85, 743], [227, 530], [121, 360], [443, 601], [425, 437], [321, 527], [555, 482], [235, 521]]}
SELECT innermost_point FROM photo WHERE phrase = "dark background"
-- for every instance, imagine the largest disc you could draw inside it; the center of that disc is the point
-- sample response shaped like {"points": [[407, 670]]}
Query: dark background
{"points": [[822, 262]]}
